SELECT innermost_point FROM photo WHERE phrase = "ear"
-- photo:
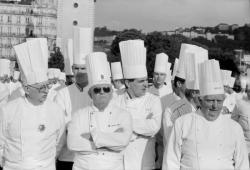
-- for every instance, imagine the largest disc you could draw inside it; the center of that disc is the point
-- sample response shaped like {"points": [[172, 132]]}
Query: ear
{"points": [[179, 84], [26, 89], [89, 92], [127, 83]]}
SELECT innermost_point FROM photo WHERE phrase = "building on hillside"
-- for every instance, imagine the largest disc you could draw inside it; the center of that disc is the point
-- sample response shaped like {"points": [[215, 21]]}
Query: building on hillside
{"points": [[35, 18], [223, 27]]}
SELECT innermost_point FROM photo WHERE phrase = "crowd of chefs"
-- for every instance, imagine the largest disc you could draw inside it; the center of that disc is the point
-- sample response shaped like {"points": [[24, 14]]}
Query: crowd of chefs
{"points": [[190, 118]]}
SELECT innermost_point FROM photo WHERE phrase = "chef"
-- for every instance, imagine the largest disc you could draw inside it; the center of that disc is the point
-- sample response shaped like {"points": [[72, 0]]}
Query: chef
{"points": [[117, 77], [101, 131], [144, 107], [74, 97], [187, 73], [161, 87], [31, 126], [207, 139]]}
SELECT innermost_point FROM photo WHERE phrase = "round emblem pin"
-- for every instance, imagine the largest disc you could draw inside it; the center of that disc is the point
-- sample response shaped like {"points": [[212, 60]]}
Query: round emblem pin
{"points": [[41, 128]]}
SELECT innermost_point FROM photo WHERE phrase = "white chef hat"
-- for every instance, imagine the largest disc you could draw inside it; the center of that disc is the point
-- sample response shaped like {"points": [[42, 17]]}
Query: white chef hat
{"points": [[33, 63], [243, 82], [186, 49], [210, 82], [225, 76], [116, 70], [44, 47], [133, 55], [161, 61], [83, 44], [168, 73], [69, 57], [193, 60], [16, 75], [4, 67], [176, 62], [191, 72], [53, 73], [231, 82], [98, 69], [62, 76]]}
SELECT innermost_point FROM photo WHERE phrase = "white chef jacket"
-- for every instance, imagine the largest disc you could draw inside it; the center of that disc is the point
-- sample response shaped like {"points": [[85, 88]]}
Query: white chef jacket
{"points": [[71, 99], [104, 150], [196, 143], [30, 135], [140, 153], [175, 110], [242, 116]]}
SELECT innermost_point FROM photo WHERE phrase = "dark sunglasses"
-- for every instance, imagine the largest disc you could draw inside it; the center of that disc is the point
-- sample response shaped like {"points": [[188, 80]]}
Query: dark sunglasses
{"points": [[98, 90]]}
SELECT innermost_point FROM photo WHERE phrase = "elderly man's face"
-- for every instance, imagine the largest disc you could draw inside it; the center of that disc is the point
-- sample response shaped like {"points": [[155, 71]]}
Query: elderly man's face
{"points": [[137, 87], [158, 79], [211, 106], [101, 95], [38, 92]]}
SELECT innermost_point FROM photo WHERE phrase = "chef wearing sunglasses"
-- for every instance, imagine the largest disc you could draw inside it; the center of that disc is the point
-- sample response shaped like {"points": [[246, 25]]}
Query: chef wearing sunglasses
{"points": [[101, 131]]}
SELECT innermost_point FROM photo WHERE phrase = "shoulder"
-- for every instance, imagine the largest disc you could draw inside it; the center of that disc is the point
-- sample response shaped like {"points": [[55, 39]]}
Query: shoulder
{"points": [[12, 108], [82, 112], [235, 126], [18, 102], [186, 119]]}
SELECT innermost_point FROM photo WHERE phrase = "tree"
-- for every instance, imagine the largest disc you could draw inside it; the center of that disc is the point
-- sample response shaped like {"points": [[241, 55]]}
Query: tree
{"points": [[130, 34], [56, 59], [155, 43]]}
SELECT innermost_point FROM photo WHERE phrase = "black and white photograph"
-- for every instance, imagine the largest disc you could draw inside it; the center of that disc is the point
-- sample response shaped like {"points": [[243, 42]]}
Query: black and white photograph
{"points": [[124, 84]]}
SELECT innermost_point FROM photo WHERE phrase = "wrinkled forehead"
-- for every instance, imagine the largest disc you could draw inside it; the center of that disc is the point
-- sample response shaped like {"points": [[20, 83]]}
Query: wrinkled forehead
{"points": [[100, 86], [214, 97], [41, 84]]}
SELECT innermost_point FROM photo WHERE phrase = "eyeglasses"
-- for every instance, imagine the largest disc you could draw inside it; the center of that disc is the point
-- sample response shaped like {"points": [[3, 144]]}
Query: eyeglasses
{"points": [[98, 90], [43, 88]]}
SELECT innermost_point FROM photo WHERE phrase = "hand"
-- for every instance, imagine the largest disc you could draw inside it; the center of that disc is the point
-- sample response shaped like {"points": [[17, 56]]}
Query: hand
{"points": [[119, 130], [87, 136], [149, 116]]}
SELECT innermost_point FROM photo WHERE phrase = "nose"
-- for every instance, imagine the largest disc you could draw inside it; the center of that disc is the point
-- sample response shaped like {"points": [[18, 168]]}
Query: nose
{"points": [[215, 104]]}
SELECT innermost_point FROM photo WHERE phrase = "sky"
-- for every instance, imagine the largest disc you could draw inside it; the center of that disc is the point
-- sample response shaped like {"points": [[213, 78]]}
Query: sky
{"points": [[166, 15]]}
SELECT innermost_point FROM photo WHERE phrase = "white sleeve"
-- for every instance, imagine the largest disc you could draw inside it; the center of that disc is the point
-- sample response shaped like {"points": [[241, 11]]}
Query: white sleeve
{"points": [[61, 139], [149, 127], [172, 153], [241, 151], [75, 140], [116, 141], [167, 125], [63, 100]]}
